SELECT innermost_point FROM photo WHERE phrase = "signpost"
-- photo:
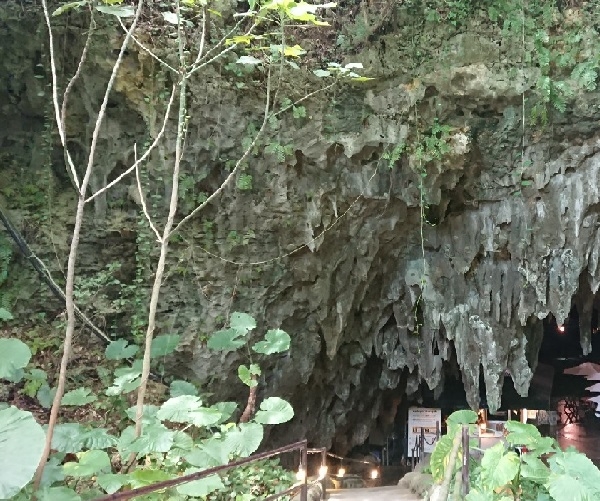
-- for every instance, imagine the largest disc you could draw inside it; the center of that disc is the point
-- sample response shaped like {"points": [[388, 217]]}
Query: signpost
{"points": [[426, 421]]}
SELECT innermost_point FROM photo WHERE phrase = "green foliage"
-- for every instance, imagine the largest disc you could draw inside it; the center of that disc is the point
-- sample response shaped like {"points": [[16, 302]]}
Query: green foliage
{"points": [[14, 356], [21, 445], [544, 473]]}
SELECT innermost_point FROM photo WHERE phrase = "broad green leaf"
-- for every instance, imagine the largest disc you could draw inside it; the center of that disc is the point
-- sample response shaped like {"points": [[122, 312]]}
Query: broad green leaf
{"points": [[534, 469], [45, 396], [58, 494], [500, 467], [21, 446], [68, 6], [14, 355], [155, 438], [276, 341], [148, 414], [322, 73], [98, 438], [565, 487], [361, 79], [577, 465], [245, 374], [242, 322], [112, 482], [244, 440], [439, 457], [126, 379], [143, 477], [68, 437], [120, 349], [116, 10], [179, 387], [164, 345], [182, 443], [170, 17], [53, 471], [202, 487], [208, 453], [274, 410], [226, 340], [80, 396], [5, 314], [89, 463], [476, 495], [188, 409], [226, 409]]}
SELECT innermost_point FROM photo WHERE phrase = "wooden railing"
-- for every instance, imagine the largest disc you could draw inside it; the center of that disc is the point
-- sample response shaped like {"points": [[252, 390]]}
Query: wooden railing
{"points": [[302, 486]]}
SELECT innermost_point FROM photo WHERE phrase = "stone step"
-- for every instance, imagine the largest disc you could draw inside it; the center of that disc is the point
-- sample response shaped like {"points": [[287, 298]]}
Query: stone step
{"points": [[393, 493]]}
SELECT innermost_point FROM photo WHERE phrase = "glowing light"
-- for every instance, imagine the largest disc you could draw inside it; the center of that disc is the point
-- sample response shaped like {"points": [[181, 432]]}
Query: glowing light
{"points": [[341, 471], [301, 474], [482, 427], [322, 472], [374, 474], [560, 328]]}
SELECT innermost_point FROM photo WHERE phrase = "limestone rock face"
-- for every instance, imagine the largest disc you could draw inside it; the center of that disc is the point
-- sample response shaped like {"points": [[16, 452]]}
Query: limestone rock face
{"points": [[387, 277]]}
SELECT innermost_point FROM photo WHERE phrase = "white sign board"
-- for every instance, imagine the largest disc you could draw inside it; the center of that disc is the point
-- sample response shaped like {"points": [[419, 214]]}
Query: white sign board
{"points": [[428, 420]]}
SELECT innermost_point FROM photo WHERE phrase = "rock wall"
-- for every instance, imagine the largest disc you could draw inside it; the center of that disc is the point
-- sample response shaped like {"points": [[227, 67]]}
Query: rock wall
{"points": [[387, 277]]}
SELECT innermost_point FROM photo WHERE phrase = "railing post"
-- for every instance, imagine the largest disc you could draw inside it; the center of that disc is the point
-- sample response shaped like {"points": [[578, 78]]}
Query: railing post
{"points": [[304, 464], [324, 463], [465, 460], [422, 444]]}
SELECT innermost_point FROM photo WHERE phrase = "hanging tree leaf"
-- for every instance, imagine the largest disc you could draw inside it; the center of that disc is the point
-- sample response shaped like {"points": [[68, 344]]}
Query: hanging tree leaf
{"points": [[276, 341], [14, 355], [274, 410]]}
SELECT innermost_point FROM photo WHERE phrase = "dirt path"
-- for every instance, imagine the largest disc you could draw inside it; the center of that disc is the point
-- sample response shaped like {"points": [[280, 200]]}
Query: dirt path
{"points": [[373, 494]]}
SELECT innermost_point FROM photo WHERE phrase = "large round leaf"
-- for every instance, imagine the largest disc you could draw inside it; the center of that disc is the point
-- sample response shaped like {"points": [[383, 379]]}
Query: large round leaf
{"points": [[14, 355], [276, 341], [274, 410], [202, 487], [21, 445], [244, 440]]}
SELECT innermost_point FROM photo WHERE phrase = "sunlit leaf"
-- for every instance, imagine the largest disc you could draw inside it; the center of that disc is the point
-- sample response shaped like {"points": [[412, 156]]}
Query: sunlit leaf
{"points": [[242, 322], [148, 413], [89, 463], [170, 17], [188, 409], [5, 314], [322, 73], [242, 39], [155, 438], [245, 374], [244, 440], [274, 410], [98, 438], [276, 341], [143, 477], [14, 355], [21, 446], [116, 10], [500, 467], [126, 379]]}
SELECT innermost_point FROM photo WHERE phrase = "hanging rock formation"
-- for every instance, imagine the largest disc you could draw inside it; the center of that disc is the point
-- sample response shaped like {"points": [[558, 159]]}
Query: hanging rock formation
{"points": [[408, 272]]}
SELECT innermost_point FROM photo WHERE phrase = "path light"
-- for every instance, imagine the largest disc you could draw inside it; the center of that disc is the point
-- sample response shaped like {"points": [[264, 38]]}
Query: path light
{"points": [[374, 473], [322, 471], [341, 471], [560, 328]]}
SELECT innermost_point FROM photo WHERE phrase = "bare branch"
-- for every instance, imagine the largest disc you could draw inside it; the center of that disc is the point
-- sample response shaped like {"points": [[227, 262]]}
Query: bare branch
{"points": [[109, 88], [70, 284], [199, 64], [146, 49], [143, 202], [144, 156], [59, 122]]}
